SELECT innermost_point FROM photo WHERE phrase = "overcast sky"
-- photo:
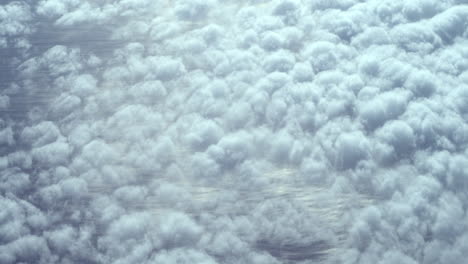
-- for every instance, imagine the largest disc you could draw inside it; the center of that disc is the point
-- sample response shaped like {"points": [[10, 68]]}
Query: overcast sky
{"points": [[233, 131]]}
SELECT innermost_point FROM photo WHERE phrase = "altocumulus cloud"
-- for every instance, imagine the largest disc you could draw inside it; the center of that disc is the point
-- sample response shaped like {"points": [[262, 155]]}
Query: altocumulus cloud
{"points": [[222, 131]]}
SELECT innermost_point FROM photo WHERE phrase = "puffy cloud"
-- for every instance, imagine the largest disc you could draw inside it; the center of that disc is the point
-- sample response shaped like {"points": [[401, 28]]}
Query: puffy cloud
{"points": [[204, 134], [416, 38], [335, 4], [351, 148], [396, 141], [271, 41], [376, 109], [178, 230], [372, 36], [26, 249], [16, 24], [322, 56], [449, 24], [193, 10], [233, 149], [303, 72], [238, 115], [421, 9], [183, 257], [285, 7], [233, 131], [422, 83], [280, 61], [52, 154]]}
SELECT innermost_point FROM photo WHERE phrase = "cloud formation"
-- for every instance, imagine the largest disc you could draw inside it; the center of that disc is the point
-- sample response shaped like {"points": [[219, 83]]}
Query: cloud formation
{"points": [[273, 131]]}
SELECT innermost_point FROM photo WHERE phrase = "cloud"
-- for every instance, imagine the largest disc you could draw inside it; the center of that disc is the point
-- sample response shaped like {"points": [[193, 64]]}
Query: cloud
{"points": [[322, 56], [193, 10], [375, 110], [351, 148], [277, 131], [53, 8], [336, 4], [449, 24], [303, 72], [28, 249], [183, 256], [16, 24], [204, 134]]}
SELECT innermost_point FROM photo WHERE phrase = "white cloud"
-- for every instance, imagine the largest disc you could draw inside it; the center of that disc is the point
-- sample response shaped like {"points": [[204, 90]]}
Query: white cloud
{"points": [[193, 10], [203, 134], [450, 23], [183, 257], [234, 131], [53, 7], [16, 25], [375, 110], [351, 148], [322, 56]]}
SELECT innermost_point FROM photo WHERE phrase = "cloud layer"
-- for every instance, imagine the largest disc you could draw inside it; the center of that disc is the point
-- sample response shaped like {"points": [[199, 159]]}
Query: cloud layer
{"points": [[255, 131]]}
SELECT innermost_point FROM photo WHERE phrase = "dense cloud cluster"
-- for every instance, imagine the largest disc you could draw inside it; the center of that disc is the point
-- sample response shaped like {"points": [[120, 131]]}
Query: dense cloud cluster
{"points": [[223, 131]]}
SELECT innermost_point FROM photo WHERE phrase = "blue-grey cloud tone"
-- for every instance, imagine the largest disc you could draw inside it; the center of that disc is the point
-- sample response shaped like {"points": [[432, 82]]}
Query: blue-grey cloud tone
{"points": [[222, 131]]}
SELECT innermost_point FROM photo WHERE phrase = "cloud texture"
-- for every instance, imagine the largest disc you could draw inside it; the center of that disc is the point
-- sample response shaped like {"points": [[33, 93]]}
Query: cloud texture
{"points": [[222, 131]]}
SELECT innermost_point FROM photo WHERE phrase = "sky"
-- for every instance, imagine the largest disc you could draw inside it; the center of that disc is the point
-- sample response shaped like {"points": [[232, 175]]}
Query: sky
{"points": [[233, 131]]}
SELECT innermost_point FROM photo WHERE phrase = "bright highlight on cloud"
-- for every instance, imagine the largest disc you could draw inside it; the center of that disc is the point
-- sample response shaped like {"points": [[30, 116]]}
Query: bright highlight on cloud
{"points": [[222, 131]]}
